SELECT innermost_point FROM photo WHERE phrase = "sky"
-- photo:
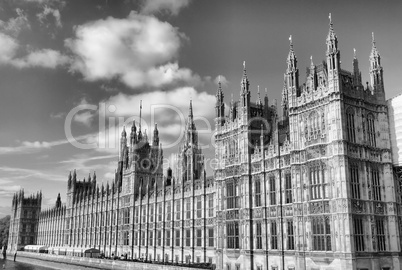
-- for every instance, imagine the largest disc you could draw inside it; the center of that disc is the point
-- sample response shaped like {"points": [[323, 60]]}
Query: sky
{"points": [[72, 73]]}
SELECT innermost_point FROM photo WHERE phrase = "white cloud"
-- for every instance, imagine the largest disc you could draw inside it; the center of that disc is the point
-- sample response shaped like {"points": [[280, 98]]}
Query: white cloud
{"points": [[8, 48], [45, 58], [172, 6], [15, 173], [168, 109], [15, 25], [36, 144], [58, 115], [27, 147], [55, 13], [138, 50], [84, 118]]}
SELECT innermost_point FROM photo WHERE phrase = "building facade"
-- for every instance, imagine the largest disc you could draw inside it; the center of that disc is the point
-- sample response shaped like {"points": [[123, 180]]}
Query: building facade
{"points": [[316, 188]]}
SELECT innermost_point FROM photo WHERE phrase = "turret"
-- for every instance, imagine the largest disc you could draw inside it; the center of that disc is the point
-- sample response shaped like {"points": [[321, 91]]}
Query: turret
{"points": [[357, 75], [155, 141], [376, 71], [169, 177], [333, 54], [220, 105], [69, 182], [133, 135], [245, 89], [139, 137], [94, 179], [259, 101], [123, 143], [312, 76], [58, 201], [291, 81]]}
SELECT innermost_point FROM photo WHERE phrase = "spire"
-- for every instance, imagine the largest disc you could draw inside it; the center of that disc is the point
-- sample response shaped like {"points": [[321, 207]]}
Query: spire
{"points": [[220, 105], [376, 71], [311, 61], [156, 136], [332, 39], [245, 88], [292, 59], [190, 111], [123, 133], [69, 180], [140, 115], [374, 50], [259, 102], [244, 70], [357, 77], [145, 136]]}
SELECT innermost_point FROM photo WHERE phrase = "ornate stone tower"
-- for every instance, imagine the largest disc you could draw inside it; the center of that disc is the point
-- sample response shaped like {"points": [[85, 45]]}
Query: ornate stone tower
{"points": [[24, 220], [238, 136]]}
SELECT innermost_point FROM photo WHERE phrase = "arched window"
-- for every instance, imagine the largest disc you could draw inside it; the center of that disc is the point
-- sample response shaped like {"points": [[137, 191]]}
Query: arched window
{"points": [[371, 130], [318, 183], [314, 124], [350, 125]]}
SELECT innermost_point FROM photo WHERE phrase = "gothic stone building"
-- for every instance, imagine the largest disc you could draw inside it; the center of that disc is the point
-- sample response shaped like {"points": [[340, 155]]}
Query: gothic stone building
{"points": [[314, 189]]}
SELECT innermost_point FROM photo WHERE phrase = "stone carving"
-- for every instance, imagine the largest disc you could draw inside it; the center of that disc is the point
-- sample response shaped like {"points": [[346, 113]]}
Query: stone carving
{"points": [[379, 208], [358, 207]]}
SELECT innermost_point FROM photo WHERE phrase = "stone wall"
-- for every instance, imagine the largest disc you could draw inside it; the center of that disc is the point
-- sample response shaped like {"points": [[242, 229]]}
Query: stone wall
{"points": [[91, 263]]}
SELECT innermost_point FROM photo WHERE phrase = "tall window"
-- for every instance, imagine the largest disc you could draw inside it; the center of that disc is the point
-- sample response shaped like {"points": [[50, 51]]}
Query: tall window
{"points": [[211, 205], [291, 237], [168, 211], [144, 214], [177, 209], [314, 123], [177, 238], [321, 233], [354, 181], [159, 237], [151, 213], [199, 207], [258, 244], [375, 180], [142, 238], [188, 237], [188, 208], [381, 246], [272, 190], [211, 237], [257, 192], [167, 237], [358, 229], [317, 182], [232, 232], [350, 125], [160, 211], [151, 238], [274, 235], [135, 239], [371, 130], [288, 188], [231, 196], [199, 237]]}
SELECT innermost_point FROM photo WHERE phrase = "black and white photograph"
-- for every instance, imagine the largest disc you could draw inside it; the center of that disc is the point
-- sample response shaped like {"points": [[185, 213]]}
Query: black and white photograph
{"points": [[200, 134]]}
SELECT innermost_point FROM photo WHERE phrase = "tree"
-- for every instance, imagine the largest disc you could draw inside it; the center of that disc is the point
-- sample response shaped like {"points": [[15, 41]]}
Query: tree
{"points": [[4, 227]]}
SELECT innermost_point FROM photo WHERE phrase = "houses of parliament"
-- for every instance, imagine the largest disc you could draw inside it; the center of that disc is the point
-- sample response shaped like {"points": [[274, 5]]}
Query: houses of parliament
{"points": [[315, 188]]}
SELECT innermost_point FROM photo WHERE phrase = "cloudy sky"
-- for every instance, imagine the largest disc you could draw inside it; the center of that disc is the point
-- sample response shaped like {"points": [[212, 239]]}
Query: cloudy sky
{"points": [[80, 68]]}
